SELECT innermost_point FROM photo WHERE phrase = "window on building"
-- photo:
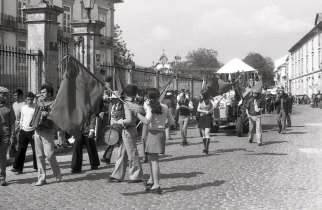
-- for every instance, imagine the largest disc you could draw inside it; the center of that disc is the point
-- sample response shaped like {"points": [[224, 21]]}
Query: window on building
{"points": [[312, 61], [103, 19], [20, 13], [67, 17], [319, 58], [307, 64]]}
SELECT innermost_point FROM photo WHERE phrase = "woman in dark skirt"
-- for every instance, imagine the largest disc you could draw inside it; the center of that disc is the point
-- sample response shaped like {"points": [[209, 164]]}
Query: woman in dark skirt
{"points": [[205, 109], [158, 118]]}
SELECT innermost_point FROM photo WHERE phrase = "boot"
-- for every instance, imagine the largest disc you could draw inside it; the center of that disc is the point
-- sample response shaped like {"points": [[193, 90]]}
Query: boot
{"points": [[205, 145]]}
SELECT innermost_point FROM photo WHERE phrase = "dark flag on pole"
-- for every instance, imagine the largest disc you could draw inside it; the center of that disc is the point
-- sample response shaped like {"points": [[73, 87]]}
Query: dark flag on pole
{"points": [[79, 92], [217, 87]]}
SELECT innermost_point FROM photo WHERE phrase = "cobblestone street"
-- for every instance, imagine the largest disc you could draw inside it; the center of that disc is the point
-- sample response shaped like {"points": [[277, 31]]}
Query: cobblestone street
{"points": [[284, 173]]}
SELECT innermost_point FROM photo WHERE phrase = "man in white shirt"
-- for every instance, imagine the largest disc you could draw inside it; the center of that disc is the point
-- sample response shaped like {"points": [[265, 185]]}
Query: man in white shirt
{"points": [[25, 135]]}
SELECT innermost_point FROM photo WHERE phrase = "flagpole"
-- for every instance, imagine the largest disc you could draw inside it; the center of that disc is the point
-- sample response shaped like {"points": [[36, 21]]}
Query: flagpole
{"points": [[109, 89], [102, 83]]}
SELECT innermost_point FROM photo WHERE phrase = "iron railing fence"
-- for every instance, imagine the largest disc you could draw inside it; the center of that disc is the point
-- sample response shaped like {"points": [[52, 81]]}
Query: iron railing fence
{"points": [[147, 77], [15, 65]]}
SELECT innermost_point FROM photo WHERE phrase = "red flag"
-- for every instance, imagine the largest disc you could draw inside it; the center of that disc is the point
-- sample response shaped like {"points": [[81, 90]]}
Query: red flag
{"points": [[79, 92], [217, 87]]}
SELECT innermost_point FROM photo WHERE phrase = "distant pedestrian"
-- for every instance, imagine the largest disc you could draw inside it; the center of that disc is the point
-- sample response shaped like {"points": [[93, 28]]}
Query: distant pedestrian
{"points": [[169, 102], [184, 107], [44, 136], [158, 118], [26, 134], [205, 108], [17, 105], [282, 110], [7, 127], [254, 107], [290, 104]]}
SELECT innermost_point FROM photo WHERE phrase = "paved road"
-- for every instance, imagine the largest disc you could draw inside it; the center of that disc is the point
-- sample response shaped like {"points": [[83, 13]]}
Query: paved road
{"points": [[285, 173]]}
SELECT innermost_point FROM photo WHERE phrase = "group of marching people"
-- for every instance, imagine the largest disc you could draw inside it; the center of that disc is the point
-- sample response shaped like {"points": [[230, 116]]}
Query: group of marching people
{"points": [[124, 115]]}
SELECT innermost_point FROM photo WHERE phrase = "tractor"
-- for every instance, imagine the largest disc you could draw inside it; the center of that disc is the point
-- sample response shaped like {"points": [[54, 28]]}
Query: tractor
{"points": [[231, 110]]}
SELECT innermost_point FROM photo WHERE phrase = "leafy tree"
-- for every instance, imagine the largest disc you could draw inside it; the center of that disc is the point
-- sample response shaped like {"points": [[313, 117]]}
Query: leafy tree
{"points": [[200, 63], [122, 56], [264, 65]]}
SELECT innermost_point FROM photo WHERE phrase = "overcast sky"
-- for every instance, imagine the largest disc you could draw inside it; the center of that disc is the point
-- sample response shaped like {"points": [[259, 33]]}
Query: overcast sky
{"points": [[232, 27]]}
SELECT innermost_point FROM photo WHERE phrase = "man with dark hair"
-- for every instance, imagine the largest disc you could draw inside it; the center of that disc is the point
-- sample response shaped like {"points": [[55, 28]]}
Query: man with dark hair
{"points": [[17, 105], [87, 139], [282, 110], [128, 149], [44, 137], [290, 104], [7, 127], [25, 135]]}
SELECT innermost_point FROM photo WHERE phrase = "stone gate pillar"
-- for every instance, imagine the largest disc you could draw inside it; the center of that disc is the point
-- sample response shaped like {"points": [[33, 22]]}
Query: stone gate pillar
{"points": [[87, 32], [42, 25]]}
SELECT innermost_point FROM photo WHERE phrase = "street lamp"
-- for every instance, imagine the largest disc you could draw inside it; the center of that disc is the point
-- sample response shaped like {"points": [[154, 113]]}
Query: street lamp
{"points": [[88, 5]]}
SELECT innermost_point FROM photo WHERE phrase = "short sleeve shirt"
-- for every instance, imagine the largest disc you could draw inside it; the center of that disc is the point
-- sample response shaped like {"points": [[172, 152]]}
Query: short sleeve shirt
{"points": [[251, 106]]}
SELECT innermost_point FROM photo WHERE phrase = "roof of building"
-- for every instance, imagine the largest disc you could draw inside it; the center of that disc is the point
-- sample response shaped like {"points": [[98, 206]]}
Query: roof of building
{"points": [[310, 34], [279, 62]]}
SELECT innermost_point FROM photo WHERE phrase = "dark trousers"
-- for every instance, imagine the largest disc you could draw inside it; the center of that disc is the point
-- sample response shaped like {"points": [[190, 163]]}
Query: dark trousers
{"points": [[281, 120], [77, 158], [108, 152], [25, 137], [288, 120]]}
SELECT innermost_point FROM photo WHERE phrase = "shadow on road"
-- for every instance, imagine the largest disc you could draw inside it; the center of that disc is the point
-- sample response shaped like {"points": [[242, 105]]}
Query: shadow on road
{"points": [[182, 188], [273, 142], [269, 127], [190, 144], [181, 175], [187, 157], [230, 150], [89, 177], [295, 133], [268, 153]]}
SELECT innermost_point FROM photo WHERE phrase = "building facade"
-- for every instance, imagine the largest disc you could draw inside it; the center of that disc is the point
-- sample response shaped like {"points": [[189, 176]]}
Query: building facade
{"points": [[281, 73], [13, 30], [304, 64]]}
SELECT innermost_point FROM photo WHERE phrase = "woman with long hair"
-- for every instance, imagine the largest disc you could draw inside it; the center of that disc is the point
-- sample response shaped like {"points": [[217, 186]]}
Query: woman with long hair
{"points": [[205, 108], [158, 117]]}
